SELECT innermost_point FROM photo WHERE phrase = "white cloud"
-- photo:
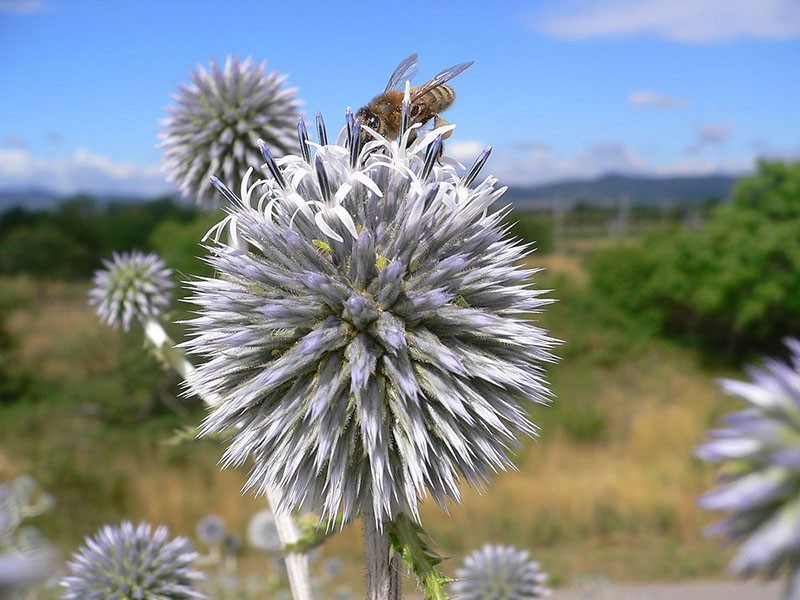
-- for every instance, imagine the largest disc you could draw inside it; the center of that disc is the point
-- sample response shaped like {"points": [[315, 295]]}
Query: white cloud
{"points": [[465, 151], [80, 171], [692, 165], [535, 164], [654, 99], [692, 21], [715, 134], [542, 165], [22, 7]]}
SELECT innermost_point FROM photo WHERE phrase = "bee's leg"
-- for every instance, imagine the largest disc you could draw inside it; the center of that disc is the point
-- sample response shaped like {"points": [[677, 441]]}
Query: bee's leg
{"points": [[438, 121]]}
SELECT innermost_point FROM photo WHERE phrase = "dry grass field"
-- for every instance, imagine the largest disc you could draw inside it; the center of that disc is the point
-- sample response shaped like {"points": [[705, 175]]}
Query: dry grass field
{"points": [[609, 489]]}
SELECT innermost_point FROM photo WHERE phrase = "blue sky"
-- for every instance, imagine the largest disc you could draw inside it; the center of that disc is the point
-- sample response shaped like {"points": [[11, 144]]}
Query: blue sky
{"points": [[569, 88]]}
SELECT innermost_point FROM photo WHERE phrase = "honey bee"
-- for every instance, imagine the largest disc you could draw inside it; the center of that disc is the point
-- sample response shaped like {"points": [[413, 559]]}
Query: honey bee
{"points": [[384, 113]]}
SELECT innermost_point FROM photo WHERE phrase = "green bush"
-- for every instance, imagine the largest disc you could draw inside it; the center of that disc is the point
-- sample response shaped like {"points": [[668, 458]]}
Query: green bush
{"points": [[43, 250], [70, 241], [532, 227], [178, 243], [731, 287], [15, 380]]}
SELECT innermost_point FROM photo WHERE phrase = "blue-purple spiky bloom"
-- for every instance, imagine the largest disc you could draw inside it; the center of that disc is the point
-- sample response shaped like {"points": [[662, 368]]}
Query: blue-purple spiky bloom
{"points": [[367, 331], [127, 561], [500, 573], [760, 487], [211, 530], [216, 120], [133, 285]]}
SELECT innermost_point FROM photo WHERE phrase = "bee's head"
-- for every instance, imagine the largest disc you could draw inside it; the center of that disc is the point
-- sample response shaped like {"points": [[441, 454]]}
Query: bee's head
{"points": [[369, 118]]}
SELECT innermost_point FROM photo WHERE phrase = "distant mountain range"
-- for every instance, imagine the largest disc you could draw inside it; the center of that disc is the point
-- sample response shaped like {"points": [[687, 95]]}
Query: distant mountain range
{"points": [[609, 190], [602, 191], [41, 198]]}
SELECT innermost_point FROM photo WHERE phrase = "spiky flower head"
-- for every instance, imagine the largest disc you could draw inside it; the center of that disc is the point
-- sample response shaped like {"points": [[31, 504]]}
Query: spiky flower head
{"points": [[760, 484], [500, 573], [367, 329], [211, 530], [133, 285], [127, 561], [215, 121], [262, 532]]}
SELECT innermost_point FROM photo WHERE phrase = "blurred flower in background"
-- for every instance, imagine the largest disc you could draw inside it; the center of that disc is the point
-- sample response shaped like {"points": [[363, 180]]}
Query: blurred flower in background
{"points": [[211, 530], [26, 557], [19, 571], [500, 573], [133, 285], [215, 122], [128, 561], [759, 489], [262, 532]]}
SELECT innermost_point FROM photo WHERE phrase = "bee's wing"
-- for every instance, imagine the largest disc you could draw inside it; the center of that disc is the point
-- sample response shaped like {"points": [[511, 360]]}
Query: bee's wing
{"points": [[439, 79], [405, 70]]}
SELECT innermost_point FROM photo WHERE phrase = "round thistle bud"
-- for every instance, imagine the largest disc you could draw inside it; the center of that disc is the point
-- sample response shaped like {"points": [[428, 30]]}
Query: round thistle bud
{"points": [[262, 532], [216, 120], [760, 446], [211, 530], [132, 562], [367, 331], [133, 285], [500, 573]]}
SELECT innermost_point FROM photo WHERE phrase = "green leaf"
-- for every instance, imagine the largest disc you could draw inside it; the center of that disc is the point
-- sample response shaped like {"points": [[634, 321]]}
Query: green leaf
{"points": [[409, 540]]}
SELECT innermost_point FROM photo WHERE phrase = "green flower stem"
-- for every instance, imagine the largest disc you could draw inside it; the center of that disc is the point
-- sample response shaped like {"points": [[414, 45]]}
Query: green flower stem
{"points": [[296, 562], [383, 573]]}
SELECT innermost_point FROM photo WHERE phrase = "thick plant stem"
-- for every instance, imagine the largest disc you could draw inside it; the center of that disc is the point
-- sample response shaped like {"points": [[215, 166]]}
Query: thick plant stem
{"points": [[165, 349], [383, 574], [296, 562]]}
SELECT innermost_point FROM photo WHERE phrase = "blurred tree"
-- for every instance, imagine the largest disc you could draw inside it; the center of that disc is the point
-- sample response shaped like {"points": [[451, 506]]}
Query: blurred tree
{"points": [[732, 286], [178, 243], [43, 250], [534, 227], [71, 240]]}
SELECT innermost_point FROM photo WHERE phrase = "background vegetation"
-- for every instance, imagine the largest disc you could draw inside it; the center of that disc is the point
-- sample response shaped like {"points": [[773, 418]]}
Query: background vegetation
{"points": [[650, 321]]}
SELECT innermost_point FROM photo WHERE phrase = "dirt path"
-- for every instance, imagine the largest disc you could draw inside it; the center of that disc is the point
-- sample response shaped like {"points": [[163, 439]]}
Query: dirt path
{"points": [[691, 590]]}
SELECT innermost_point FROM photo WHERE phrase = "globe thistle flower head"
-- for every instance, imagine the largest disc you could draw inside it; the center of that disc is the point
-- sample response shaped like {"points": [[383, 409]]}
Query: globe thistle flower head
{"points": [[262, 533], [367, 330], [500, 573], [760, 484], [213, 126], [133, 285], [211, 530], [127, 561]]}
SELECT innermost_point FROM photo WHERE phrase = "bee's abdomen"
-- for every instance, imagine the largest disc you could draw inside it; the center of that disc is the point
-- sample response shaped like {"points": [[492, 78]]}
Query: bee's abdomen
{"points": [[437, 99]]}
